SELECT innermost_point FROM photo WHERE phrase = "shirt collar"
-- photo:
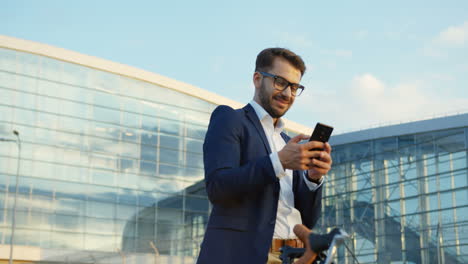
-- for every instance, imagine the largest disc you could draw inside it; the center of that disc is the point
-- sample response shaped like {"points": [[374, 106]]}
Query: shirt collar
{"points": [[262, 114]]}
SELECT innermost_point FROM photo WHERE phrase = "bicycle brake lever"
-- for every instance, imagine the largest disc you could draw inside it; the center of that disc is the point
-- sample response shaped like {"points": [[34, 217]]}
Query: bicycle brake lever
{"points": [[338, 238]]}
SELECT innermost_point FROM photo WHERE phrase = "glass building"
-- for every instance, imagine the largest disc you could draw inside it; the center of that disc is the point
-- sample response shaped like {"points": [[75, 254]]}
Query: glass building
{"points": [[109, 163], [401, 192]]}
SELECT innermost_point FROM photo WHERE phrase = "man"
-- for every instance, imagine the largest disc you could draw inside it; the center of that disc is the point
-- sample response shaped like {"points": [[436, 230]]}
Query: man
{"points": [[259, 185]]}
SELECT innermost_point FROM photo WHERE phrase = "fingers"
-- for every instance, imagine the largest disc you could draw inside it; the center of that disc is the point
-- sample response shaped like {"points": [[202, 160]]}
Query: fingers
{"points": [[302, 156], [309, 155], [314, 145], [320, 166], [317, 154], [325, 157], [322, 159]]}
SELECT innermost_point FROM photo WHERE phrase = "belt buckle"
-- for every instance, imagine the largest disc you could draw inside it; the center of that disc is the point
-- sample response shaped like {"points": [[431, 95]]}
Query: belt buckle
{"points": [[277, 244]]}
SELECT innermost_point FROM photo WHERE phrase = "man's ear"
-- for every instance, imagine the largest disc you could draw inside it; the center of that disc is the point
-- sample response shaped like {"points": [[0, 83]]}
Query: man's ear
{"points": [[257, 79]]}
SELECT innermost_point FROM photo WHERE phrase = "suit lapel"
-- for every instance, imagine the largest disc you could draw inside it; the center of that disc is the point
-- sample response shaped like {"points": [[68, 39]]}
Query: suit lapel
{"points": [[252, 116], [285, 137]]}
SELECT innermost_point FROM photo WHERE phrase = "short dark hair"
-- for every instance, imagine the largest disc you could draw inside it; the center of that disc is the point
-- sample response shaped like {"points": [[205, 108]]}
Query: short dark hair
{"points": [[266, 57]]}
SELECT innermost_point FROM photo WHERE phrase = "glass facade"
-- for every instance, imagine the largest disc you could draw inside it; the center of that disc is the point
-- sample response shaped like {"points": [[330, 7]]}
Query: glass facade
{"points": [[101, 154], [403, 199]]}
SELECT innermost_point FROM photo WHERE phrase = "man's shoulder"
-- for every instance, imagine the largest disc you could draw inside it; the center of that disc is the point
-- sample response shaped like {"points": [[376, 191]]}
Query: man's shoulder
{"points": [[224, 108], [228, 112], [225, 117]]}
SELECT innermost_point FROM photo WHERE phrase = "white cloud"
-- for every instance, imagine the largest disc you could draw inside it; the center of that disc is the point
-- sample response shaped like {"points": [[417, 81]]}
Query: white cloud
{"points": [[369, 101], [454, 35], [451, 37], [378, 102], [368, 86]]}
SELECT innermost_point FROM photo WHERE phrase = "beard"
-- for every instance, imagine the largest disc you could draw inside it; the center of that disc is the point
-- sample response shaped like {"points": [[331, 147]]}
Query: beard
{"points": [[266, 101]]}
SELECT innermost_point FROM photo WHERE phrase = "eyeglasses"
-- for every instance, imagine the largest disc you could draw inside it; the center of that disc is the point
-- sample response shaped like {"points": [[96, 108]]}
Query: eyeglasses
{"points": [[283, 84]]}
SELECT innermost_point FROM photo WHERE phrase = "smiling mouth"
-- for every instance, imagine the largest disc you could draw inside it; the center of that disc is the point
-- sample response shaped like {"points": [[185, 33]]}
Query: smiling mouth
{"points": [[281, 101]]}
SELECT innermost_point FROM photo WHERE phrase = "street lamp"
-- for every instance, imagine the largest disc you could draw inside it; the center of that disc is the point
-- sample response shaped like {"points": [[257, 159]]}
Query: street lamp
{"points": [[13, 220]]}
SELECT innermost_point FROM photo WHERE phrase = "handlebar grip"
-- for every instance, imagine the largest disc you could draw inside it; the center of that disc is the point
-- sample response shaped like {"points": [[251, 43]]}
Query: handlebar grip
{"points": [[302, 232], [316, 243]]}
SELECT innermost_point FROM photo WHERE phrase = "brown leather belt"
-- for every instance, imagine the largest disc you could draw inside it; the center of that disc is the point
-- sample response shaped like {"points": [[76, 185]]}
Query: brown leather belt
{"points": [[276, 244]]}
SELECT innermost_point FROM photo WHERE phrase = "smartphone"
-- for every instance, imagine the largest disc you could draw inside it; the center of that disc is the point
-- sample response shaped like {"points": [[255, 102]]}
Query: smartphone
{"points": [[321, 133]]}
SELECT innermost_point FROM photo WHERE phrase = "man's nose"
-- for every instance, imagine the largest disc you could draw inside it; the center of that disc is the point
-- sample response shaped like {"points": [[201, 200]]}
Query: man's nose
{"points": [[287, 92]]}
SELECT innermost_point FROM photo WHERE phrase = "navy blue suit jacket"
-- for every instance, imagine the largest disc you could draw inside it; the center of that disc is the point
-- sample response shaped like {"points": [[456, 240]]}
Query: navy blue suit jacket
{"points": [[244, 190]]}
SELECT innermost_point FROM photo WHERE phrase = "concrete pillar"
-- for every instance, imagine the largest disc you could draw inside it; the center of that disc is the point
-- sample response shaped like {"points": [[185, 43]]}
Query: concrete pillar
{"points": [[424, 220]]}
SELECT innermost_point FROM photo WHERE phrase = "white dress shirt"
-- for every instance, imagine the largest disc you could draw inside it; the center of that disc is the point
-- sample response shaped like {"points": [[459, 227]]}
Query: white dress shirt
{"points": [[287, 216]]}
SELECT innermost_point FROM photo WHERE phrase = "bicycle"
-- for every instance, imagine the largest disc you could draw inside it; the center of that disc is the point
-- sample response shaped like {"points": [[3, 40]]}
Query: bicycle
{"points": [[315, 246]]}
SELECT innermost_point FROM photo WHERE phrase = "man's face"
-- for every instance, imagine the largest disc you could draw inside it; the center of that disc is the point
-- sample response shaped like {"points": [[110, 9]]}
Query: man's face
{"points": [[274, 101]]}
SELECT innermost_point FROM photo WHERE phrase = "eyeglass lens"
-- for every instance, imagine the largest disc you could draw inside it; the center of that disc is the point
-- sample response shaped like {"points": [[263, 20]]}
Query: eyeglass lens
{"points": [[283, 84]]}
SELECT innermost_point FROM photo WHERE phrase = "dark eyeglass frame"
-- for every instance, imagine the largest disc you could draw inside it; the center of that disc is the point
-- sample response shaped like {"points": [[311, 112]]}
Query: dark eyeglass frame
{"points": [[296, 89]]}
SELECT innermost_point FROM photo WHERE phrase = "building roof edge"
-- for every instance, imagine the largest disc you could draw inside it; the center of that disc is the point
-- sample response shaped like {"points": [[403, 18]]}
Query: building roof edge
{"points": [[440, 123]]}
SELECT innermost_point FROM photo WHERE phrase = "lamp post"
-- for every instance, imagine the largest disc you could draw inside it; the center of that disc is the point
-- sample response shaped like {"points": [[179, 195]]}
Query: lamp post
{"points": [[13, 220]]}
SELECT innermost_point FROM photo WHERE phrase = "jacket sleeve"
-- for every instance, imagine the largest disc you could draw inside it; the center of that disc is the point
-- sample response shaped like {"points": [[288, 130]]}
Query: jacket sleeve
{"points": [[226, 178]]}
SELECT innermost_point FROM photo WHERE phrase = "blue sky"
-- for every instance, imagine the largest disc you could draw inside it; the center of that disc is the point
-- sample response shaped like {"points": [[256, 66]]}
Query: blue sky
{"points": [[369, 62]]}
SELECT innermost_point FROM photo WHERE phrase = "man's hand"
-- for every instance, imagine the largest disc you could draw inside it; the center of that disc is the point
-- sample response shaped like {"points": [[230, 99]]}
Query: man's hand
{"points": [[297, 156], [322, 165]]}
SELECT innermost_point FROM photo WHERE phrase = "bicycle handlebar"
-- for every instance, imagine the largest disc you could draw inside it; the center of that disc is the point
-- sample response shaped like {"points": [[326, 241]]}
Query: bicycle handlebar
{"points": [[316, 243]]}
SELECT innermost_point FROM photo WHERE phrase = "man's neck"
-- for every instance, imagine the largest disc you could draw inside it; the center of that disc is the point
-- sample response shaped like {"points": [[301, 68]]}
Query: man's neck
{"points": [[275, 120]]}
